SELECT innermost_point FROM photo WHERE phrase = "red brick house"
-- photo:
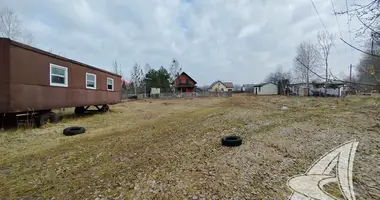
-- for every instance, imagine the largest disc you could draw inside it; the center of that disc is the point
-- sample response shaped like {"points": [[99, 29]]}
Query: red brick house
{"points": [[184, 83]]}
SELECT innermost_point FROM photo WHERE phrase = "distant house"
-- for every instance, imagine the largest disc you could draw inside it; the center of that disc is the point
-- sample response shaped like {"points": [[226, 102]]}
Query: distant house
{"points": [[219, 86], [334, 88], [300, 89], [184, 83], [265, 89]]}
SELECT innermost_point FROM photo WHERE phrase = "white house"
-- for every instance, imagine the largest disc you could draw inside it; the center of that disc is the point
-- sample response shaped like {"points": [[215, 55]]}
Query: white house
{"points": [[300, 89], [265, 89]]}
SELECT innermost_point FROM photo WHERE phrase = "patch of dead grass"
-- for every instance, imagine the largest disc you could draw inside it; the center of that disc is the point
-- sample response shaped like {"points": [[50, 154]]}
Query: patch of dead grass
{"points": [[143, 150]]}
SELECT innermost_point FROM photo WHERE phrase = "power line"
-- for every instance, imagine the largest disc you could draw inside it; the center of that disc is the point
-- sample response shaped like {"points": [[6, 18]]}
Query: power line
{"points": [[371, 54], [348, 24], [316, 10], [350, 82], [336, 18], [320, 19], [309, 69]]}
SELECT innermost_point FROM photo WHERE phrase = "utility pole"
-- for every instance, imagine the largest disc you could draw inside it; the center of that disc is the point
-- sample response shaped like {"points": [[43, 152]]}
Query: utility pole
{"points": [[350, 88], [307, 82], [327, 78], [350, 73]]}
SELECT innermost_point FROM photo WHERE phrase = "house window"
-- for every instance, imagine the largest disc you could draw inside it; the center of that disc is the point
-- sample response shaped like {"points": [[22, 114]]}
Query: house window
{"points": [[110, 84], [90, 81], [187, 81], [179, 81], [58, 75]]}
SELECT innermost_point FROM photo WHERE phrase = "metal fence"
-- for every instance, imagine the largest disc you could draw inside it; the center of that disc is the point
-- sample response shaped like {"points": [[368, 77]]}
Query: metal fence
{"points": [[178, 95]]}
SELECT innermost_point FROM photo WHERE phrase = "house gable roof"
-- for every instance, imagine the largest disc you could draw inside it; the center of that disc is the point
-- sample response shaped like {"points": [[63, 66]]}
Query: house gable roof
{"points": [[184, 73], [226, 84]]}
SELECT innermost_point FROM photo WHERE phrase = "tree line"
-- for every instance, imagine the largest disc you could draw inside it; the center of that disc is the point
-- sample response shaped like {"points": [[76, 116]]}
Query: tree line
{"points": [[142, 80], [311, 61]]}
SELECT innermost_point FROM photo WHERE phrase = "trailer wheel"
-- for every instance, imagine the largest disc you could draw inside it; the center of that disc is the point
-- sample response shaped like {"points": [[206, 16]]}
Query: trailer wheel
{"points": [[105, 108], [231, 141], [45, 118], [75, 130], [79, 110]]}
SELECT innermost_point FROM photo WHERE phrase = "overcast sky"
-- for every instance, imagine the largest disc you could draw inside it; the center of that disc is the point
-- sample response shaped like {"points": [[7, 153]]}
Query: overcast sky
{"points": [[230, 40]]}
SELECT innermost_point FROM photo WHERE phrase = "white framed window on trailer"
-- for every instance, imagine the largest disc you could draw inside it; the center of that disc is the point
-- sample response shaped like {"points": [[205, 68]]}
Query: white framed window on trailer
{"points": [[58, 75], [110, 84], [90, 81]]}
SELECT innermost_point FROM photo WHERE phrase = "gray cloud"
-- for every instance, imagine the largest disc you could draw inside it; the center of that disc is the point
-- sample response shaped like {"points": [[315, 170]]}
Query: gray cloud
{"points": [[240, 41]]}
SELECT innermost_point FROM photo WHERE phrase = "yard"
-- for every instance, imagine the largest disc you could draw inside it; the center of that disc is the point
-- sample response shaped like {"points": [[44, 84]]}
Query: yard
{"points": [[170, 149]]}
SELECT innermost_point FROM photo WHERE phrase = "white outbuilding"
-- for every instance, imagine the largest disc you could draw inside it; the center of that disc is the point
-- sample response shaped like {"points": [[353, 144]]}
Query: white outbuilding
{"points": [[265, 89]]}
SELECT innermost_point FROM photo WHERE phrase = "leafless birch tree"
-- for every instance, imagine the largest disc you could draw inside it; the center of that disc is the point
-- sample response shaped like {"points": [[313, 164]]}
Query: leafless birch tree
{"points": [[325, 41], [116, 68], [308, 54]]}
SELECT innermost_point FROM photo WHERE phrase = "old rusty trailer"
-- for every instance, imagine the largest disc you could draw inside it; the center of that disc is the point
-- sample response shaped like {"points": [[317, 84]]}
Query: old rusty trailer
{"points": [[33, 82]]}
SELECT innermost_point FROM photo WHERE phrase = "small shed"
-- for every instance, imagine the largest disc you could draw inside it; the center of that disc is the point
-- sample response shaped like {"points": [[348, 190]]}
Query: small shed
{"points": [[265, 89]]}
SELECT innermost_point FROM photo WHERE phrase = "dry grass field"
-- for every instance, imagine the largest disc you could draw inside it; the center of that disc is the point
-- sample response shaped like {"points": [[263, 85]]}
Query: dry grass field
{"points": [[170, 149]]}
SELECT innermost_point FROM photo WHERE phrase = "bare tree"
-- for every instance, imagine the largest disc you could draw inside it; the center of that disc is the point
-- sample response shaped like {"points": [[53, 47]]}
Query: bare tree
{"points": [[280, 78], [278, 75], [137, 76], [368, 14], [147, 68], [10, 24], [174, 69], [325, 41], [308, 54], [27, 38], [11, 27], [116, 68]]}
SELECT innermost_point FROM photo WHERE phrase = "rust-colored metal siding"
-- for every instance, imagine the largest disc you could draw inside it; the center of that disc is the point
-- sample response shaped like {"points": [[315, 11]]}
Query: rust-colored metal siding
{"points": [[4, 75], [30, 87]]}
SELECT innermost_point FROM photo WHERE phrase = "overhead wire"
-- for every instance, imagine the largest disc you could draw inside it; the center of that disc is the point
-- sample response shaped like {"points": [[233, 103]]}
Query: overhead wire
{"points": [[348, 24], [316, 10], [319, 76], [336, 18], [320, 19], [371, 54], [350, 82]]}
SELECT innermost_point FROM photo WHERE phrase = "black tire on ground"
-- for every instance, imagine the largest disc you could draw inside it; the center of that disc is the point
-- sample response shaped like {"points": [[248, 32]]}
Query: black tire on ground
{"points": [[48, 117], [79, 110], [231, 141], [105, 108], [75, 130]]}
